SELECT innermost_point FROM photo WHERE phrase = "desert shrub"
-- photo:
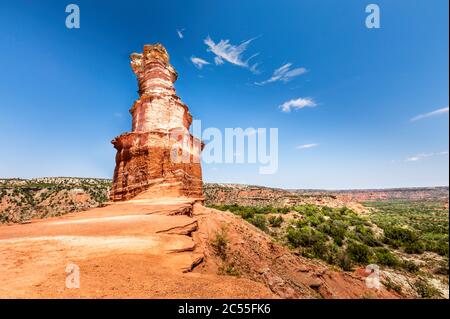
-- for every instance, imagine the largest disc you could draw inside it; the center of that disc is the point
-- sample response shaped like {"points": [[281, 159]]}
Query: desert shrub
{"points": [[220, 243], [305, 236], [416, 247], [259, 221], [442, 268], [409, 266], [326, 210], [358, 252], [275, 221], [390, 285], [320, 249], [366, 235], [307, 210], [301, 223], [4, 217], [425, 290], [400, 235], [330, 254], [439, 247], [247, 214], [315, 220], [343, 260], [385, 257], [229, 270], [280, 210], [298, 237], [336, 230]]}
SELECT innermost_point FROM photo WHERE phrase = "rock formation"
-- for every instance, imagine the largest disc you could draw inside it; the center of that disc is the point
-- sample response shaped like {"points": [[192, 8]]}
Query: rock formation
{"points": [[159, 158]]}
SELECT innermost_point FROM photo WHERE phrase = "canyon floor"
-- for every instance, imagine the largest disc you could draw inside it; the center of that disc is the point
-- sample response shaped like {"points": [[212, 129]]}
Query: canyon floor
{"points": [[165, 248]]}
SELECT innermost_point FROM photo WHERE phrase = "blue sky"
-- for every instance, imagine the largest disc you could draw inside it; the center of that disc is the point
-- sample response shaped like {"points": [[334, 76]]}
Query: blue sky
{"points": [[65, 93]]}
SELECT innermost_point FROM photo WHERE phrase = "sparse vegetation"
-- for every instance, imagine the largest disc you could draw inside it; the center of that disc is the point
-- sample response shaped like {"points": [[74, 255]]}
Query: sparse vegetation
{"points": [[259, 220], [413, 226], [390, 285], [385, 257], [38, 198], [344, 238], [425, 290], [359, 252], [220, 243], [220, 246], [275, 221], [229, 270]]}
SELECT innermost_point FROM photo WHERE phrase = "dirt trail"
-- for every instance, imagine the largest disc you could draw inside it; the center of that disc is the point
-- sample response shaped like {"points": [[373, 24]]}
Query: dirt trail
{"points": [[158, 249]]}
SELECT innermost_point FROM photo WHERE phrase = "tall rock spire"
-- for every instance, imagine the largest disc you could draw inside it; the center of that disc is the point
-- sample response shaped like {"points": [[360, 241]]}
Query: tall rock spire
{"points": [[148, 161]]}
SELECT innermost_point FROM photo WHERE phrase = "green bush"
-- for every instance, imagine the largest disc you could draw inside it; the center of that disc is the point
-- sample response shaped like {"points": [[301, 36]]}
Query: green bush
{"points": [[390, 285], [298, 237], [305, 236], [259, 221], [359, 253], [315, 220], [335, 229], [425, 290], [247, 214], [229, 270], [442, 268], [220, 243], [409, 266], [343, 260], [400, 234], [439, 247], [301, 223], [320, 249], [385, 257], [275, 221], [416, 247], [366, 235]]}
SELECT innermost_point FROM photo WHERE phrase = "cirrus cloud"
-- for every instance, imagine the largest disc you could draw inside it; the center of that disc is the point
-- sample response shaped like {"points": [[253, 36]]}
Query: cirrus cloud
{"points": [[421, 156], [297, 104], [284, 74], [180, 33], [198, 62], [430, 114], [305, 146], [225, 51]]}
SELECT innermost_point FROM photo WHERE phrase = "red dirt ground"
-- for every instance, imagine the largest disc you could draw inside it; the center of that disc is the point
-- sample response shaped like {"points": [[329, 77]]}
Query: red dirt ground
{"points": [[159, 249]]}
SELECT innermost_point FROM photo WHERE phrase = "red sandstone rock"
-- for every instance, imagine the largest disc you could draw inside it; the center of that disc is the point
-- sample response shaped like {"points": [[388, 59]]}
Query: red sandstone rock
{"points": [[159, 158]]}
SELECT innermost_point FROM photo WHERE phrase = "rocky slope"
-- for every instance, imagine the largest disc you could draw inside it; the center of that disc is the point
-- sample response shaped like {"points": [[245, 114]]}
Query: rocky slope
{"points": [[21, 200], [249, 195], [247, 253], [164, 248]]}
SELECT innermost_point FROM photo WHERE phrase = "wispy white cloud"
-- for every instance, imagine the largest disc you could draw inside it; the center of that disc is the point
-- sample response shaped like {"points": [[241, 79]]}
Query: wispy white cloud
{"points": [[198, 62], [225, 51], [218, 60], [430, 114], [297, 104], [284, 74], [421, 156], [304, 146], [180, 33]]}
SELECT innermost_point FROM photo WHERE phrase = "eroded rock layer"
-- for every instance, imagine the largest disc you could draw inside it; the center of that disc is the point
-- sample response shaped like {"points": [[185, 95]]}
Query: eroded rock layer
{"points": [[159, 158]]}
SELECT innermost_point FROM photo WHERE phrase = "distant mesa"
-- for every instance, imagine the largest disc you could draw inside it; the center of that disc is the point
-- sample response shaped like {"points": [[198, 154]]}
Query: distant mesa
{"points": [[145, 165]]}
